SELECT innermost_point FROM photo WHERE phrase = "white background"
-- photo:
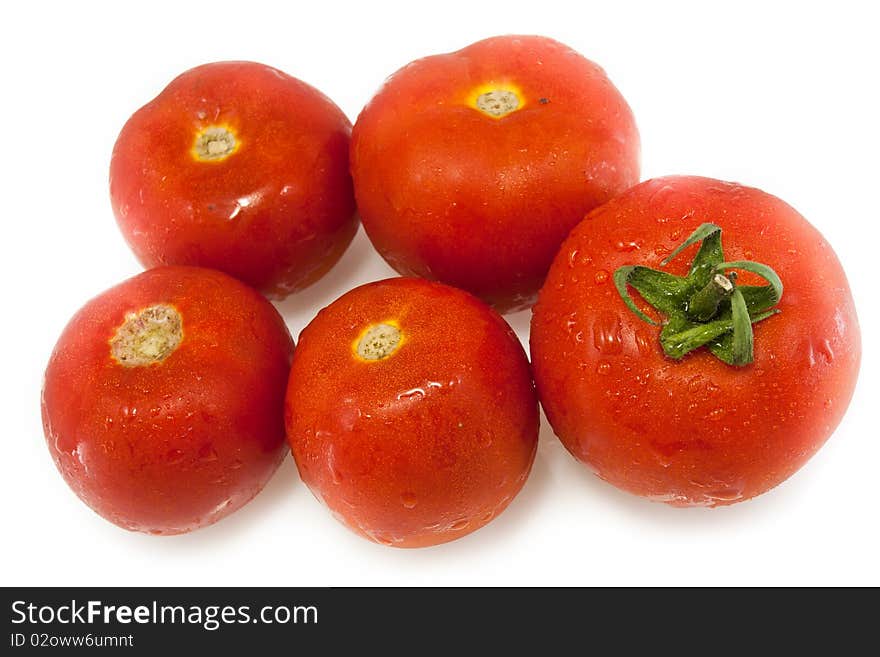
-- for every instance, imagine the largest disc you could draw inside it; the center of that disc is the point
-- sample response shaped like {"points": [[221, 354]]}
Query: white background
{"points": [[775, 95]]}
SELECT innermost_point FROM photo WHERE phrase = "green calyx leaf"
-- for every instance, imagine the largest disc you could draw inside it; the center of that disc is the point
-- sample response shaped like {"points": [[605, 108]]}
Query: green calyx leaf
{"points": [[706, 307]]}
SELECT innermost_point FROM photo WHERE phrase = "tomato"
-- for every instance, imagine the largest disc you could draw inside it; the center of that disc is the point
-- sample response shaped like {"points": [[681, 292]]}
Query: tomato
{"points": [[163, 399], [411, 412], [238, 167], [470, 168], [741, 379]]}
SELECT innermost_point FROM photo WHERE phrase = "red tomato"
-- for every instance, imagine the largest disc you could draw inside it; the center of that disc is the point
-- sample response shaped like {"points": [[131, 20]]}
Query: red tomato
{"points": [[162, 403], [689, 428], [411, 412], [471, 167], [238, 167]]}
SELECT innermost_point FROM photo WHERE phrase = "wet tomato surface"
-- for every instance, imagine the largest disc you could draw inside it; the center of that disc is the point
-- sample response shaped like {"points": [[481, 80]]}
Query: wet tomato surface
{"points": [[743, 362], [411, 412], [238, 167], [471, 167], [163, 399]]}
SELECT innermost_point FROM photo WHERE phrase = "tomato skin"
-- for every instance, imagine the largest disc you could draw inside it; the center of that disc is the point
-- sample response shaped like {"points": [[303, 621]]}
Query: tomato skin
{"points": [[170, 447], [448, 193], [695, 431], [428, 444], [277, 213]]}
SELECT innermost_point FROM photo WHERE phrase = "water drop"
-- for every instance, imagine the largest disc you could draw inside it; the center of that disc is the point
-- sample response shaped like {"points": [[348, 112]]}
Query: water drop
{"points": [[486, 438], [174, 456], [626, 246], [826, 351], [726, 494], [414, 393], [606, 334], [715, 414], [601, 277], [603, 368], [409, 500], [662, 194], [643, 342], [460, 524], [208, 454]]}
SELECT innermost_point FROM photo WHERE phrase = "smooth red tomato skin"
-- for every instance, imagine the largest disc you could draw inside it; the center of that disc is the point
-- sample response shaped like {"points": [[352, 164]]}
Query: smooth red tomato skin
{"points": [[277, 213], [174, 446], [428, 444], [695, 431], [448, 193]]}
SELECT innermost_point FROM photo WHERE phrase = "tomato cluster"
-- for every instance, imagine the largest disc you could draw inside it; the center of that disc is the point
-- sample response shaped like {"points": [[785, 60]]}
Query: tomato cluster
{"points": [[693, 341]]}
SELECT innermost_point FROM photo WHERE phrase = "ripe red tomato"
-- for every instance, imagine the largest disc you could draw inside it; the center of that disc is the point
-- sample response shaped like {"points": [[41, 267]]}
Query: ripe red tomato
{"points": [[470, 168], [687, 427], [163, 399], [238, 167], [411, 412]]}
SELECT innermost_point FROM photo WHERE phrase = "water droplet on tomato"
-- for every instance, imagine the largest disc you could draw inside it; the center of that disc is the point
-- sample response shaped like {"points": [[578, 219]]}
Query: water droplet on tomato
{"points": [[661, 194], [207, 453], [606, 334], [174, 456], [414, 393], [603, 368], [626, 246], [715, 414], [409, 500], [486, 438], [460, 524], [726, 494], [643, 342], [601, 277]]}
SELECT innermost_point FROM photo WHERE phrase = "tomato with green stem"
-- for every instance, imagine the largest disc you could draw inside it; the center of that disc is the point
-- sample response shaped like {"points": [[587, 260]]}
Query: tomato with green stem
{"points": [[690, 369]]}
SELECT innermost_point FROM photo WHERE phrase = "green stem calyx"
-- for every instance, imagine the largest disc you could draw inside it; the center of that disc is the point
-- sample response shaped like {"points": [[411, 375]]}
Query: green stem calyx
{"points": [[706, 308]]}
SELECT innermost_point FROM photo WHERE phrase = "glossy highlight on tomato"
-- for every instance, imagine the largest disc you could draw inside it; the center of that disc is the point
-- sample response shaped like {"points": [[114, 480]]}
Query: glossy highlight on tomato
{"points": [[411, 412], [238, 167], [471, 167], [163, 399], [659, 411]]}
